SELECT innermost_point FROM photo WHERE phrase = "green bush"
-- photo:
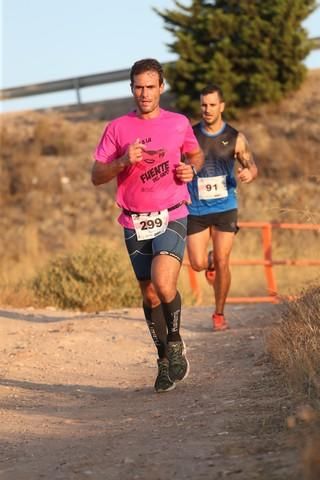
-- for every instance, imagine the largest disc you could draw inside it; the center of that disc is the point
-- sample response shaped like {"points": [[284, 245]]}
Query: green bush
{"points": [[95, 278]]}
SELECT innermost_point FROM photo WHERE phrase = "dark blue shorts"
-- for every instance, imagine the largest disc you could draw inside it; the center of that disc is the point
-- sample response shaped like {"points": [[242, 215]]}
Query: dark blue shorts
{"points": [[141, 252]]}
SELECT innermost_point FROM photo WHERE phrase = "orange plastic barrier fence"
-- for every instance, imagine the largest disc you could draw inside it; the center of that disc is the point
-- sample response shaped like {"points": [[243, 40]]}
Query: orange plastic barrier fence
{"points": [[267, 262]]}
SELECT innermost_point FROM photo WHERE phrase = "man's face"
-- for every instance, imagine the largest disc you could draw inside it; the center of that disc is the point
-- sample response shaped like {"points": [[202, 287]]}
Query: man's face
{"points": [[146, 91], [211, 108]]}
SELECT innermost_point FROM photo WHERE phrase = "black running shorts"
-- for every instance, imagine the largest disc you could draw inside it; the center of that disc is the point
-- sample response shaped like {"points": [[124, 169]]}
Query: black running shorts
{"points": [[141, 252], [222, 221]]}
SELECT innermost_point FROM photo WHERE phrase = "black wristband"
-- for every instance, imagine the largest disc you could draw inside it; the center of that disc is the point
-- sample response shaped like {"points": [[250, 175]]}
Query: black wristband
{"points": [[194, 170]]}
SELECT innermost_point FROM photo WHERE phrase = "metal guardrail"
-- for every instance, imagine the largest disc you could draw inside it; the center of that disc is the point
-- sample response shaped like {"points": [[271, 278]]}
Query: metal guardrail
{"points": [[66, 84], [77, 83], [316, 41]]}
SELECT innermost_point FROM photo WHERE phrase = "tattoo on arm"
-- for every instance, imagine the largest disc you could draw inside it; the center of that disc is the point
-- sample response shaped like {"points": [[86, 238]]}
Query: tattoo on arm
{"points": [[244, 156]]}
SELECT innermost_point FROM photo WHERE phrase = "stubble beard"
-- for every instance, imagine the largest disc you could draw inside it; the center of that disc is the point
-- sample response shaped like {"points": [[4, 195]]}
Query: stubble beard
{"points": [[145, 110], [210, 123]]}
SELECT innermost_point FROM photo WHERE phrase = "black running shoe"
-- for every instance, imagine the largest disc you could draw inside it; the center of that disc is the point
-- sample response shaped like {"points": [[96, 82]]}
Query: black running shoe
{"points": [[163, 382], [178, 362]]}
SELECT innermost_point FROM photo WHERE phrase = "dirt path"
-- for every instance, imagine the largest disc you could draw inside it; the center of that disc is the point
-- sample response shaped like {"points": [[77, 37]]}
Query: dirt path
{"points": [[77, 400]]}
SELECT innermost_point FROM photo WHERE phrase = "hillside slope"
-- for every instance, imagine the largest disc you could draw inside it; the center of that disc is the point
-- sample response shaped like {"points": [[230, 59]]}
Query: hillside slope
{"points": [[50, 203]]}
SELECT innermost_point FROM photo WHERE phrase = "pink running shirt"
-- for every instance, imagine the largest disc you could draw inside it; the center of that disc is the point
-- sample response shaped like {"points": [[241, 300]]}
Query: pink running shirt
{"points": [[149, 185]]}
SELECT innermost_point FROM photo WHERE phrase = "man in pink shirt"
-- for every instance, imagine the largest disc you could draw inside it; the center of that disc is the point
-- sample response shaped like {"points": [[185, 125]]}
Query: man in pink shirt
{"points": [[143, 150]]}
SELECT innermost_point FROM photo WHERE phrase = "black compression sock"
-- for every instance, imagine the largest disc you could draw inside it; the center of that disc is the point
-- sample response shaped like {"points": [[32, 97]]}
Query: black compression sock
{"points": [[172, 313], [158, 328]]}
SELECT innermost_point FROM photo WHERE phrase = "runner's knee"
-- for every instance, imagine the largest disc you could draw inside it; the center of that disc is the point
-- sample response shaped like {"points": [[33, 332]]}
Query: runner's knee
{"points": [[221, 263], [197, 265], [165, 291]]}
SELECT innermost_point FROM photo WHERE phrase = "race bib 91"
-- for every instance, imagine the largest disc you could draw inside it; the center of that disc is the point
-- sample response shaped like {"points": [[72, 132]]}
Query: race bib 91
{"points": [[150, 225], [212, 187]]}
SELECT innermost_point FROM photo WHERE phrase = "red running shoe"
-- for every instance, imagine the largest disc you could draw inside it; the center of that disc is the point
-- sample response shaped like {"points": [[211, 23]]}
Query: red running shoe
{"points": [[219, 323], [210, 276]]}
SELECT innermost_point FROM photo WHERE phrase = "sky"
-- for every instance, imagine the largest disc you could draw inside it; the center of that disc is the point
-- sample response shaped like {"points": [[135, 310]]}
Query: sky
{"points": [[46, 40]]}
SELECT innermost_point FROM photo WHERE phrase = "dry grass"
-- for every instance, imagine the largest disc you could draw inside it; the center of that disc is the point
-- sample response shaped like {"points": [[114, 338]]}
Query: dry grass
{"points": [[311, 457], [294, 345]]}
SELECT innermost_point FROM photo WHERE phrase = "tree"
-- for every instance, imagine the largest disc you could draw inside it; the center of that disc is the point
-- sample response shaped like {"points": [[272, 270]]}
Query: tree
{"points": [[252, 49]]}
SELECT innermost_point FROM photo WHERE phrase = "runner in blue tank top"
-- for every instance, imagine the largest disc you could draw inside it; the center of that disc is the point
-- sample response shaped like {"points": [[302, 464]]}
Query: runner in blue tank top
{"points": [[213, 211]]}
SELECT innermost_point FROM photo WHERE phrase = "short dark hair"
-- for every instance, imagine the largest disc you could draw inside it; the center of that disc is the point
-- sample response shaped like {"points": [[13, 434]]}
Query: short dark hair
{"points": [[146, 65], [213, 89]]}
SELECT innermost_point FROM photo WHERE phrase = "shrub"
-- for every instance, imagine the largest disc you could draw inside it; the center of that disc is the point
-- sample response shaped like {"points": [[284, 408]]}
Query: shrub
{"points": [[95, 278], [294, 344]]}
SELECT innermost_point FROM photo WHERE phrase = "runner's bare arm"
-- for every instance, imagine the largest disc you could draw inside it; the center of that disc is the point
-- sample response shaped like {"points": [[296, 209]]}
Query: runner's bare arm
{"points": [[185, 170], [104, 172], [248, 171], [196, 159]]}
